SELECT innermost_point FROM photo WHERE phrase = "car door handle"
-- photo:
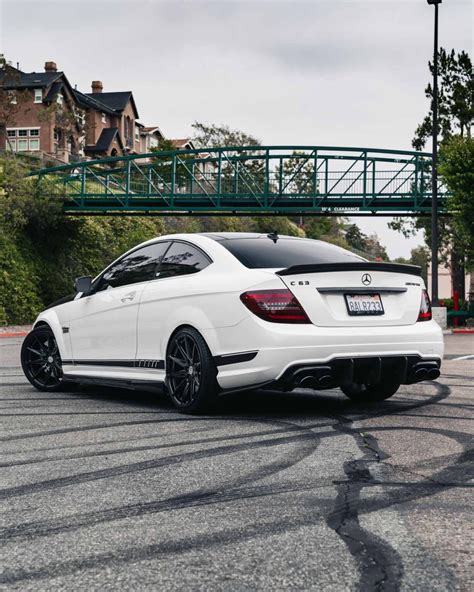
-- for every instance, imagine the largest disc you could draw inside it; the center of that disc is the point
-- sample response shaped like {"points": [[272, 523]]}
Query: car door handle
{"points": [[128, 297]]}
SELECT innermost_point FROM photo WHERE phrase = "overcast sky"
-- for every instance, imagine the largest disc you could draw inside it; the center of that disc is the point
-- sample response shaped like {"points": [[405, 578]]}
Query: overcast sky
{"points": [[348, 73]]}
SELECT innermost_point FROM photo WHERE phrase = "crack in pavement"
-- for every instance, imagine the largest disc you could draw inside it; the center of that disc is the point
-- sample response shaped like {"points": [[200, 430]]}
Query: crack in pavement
{"points": [[380, 565]]}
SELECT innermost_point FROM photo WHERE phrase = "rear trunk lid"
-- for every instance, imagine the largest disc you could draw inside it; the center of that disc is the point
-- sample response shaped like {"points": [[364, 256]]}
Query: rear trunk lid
{"points": [[356, 294]]}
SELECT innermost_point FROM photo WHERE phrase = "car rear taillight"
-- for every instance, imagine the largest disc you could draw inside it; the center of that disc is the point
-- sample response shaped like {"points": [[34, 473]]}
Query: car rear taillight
{"points": [[276, 306], [425, 307]]}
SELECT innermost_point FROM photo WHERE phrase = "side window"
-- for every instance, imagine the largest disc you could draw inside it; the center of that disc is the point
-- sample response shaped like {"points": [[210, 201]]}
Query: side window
{"points": [[182, 259], [139, 266]]}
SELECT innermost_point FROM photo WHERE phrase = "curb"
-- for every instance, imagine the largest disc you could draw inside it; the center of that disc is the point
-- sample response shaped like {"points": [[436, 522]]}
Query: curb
{"points": [[471, 331], [15, 334]]}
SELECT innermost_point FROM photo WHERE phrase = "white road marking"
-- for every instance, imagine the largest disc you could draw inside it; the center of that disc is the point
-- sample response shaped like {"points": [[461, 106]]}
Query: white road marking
{"points": [[470, 356]]}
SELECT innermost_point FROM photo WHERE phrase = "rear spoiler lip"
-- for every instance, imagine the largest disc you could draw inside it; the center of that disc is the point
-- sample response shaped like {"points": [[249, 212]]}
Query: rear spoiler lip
{"points": [[352, 266]]}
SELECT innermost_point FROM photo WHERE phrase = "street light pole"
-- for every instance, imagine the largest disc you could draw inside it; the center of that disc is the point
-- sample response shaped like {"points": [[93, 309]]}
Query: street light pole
{"points": [[434, 166]]}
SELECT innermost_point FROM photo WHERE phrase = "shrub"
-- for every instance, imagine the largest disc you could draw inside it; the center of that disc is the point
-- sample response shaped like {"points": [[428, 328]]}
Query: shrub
{"points": [[20, 301]]}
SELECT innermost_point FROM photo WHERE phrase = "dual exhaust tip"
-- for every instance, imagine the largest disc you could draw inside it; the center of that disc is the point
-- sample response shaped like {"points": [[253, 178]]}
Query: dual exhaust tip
{"points": [[424, 374], [316, 377], [313, 382]]}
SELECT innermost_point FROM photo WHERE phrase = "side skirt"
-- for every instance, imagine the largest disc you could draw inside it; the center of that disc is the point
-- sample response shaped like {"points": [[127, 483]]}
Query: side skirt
{"points": [[134, 385]]}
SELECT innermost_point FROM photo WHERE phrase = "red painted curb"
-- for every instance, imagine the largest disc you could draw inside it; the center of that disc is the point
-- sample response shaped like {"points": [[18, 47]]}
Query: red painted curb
{"points": [[463, 330], [17, 334]]}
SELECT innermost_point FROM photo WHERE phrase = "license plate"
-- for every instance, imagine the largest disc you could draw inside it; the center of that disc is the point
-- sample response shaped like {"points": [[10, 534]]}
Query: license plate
{"points": [[364, 304]]}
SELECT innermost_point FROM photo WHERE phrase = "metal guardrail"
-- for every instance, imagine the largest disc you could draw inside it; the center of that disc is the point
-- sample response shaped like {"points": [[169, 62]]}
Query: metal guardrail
{"points": [[248, 180]]}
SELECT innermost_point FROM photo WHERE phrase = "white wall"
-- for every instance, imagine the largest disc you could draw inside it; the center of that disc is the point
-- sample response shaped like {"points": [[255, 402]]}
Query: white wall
{"points": [[444, 282]]}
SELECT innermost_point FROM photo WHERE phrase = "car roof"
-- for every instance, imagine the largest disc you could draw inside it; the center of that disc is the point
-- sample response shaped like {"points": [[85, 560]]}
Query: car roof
{"points": [[222, 236]]}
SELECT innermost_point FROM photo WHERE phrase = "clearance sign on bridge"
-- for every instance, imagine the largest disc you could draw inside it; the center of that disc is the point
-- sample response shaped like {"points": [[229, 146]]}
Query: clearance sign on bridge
{"points": [[248, 180]]}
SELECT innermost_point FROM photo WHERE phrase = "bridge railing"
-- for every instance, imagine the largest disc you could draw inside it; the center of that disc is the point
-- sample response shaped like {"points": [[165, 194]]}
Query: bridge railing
{"points": [[249, 179]]}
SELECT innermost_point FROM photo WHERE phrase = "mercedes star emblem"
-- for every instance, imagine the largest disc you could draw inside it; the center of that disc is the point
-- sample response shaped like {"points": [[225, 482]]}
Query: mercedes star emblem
{"points": [[366, 279]]}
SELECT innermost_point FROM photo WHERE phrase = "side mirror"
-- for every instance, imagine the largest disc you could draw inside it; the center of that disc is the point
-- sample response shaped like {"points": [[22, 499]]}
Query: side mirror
{"points": [[83, 284]]}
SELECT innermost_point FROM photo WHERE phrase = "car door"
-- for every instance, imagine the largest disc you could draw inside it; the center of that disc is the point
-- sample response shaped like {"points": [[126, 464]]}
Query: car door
{"points": [[103, 325], [162, 300]]}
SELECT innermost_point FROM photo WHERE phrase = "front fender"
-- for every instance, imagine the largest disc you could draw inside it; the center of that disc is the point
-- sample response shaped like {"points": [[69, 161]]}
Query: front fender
{"points": [[51, 318]]}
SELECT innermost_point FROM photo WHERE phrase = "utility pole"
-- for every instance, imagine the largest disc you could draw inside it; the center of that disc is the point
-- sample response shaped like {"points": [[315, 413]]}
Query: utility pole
{"points": [[434, 166]]}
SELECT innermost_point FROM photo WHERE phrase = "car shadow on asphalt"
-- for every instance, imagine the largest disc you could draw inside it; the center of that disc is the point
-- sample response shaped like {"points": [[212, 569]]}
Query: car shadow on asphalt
{"points": [[269, 403]]}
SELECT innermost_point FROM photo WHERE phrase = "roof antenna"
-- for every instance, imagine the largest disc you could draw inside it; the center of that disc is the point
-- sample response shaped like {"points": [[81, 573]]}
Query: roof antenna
{"points": [[273, 236]]}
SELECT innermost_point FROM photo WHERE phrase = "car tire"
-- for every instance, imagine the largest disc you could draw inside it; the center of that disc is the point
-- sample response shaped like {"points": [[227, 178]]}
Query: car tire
{"points": [[41, 360], [191, 373], [370, 393]]}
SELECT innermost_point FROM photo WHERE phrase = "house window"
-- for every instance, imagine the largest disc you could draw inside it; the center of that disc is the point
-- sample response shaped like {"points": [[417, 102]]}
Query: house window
{"points": [[12, 95], [38, 95], [59, 99], [24, 144], [104, 118]]}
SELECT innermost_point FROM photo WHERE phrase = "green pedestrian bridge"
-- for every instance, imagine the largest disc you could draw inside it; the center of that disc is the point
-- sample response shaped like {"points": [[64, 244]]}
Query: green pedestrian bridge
{"points": [[248, 180]]}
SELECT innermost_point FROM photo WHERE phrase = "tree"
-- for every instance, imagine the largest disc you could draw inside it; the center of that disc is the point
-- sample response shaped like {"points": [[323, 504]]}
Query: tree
{"points": [[216, 136], [457, 170], [456, 114], [419, 256], [251, 168], [368, 245], [455, 98], [326, 228], [355, 237], [12, 99]]}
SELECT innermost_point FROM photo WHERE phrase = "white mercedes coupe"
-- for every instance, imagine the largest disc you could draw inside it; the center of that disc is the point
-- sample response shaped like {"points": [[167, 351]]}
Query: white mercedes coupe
{"points": [[201, 315]]}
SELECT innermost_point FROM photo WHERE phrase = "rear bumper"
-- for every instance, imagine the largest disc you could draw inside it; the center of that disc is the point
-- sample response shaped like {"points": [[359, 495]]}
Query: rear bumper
{"points": [[344, 371], [281, 347]]}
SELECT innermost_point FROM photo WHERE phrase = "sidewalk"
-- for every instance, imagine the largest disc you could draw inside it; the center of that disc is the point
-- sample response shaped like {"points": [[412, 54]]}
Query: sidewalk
{"points": [[15, 331]]}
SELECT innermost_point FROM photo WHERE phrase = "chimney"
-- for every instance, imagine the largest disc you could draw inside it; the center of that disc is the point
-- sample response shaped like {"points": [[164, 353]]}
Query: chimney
{"points": [[50, 67], [97, 86]]}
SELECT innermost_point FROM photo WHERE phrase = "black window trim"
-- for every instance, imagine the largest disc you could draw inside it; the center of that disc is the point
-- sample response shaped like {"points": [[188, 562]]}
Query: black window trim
{"points": [[97, 280], [198, 248]]}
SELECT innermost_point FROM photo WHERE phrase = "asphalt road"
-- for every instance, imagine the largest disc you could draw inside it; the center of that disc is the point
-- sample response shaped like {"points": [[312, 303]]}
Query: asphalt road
{"points": [[113, 490]]}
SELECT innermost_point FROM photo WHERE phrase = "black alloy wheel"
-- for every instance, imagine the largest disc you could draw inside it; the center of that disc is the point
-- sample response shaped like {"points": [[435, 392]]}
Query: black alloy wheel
{"points": [[191, 372], [41, 361]]}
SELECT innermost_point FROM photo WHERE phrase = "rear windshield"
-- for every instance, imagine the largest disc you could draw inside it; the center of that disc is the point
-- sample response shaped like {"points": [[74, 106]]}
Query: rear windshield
{"points": [[285, 252]]}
